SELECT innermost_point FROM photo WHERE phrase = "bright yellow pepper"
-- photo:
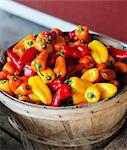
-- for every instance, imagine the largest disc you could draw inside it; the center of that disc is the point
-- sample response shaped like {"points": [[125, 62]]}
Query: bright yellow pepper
{"points": [[33, 97], [98, 51], [47, 75], [91, 75], [107, 90], [78, 98], [4, 85], [92, 94], [79, 85], [40, 89]]}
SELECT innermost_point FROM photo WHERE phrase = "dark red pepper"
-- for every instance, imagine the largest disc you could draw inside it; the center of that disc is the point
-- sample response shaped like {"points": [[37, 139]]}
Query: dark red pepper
{"points": [[28, 56], [118, 53], [72, 36], [62, 94], [79, 51], [14, 60], [28, 72], [65, 51], [55, 84], [51, 60]]}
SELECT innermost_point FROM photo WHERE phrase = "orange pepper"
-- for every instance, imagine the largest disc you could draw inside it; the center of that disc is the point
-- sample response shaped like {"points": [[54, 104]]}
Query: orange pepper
{"points": [[3, 75], [24, 79], [40, 44], [24, 98], [14, 82], [82, 32], [39, 63], [101, 66], [23, 89], [59, 42], [9, 68], [121, 67], [60, 67]]}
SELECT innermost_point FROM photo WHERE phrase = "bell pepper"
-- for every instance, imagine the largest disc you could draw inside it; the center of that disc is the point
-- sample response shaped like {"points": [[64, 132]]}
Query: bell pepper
{"points": [[55, 84], [8, 67], [87, 61], [79, 85], [28, 56], [62, 94], [107, 90], [119, 54], [39, 63], [60, 67], [3, 75], [91, 75], [78, 98], [33, 97], [108, 74], [47, 75], [98, 51], [4, 85], [14, 59], [92, 94], [82, 32], [121, 67], [23, 89], [43, 92], [14, 82], [28, 71]]}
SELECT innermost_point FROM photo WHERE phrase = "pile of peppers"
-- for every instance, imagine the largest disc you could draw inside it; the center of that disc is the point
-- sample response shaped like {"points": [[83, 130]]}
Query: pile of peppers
{"points": [[58, 68]]}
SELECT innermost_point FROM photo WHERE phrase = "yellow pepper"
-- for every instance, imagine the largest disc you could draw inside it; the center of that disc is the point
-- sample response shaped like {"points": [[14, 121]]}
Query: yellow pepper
{"points": [[47, 75], [78, 98], [79, 85], [33, 97], [107, 90], [92, 94], [98, 51], [91, 75], [40, 89], [4, 85]]}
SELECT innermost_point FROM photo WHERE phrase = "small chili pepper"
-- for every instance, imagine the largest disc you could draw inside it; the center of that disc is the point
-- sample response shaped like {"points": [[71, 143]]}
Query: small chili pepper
{"points": [[29, 44], [65, 51], [14, 82], [3, 75], [55, 84], [28, 72], [121, 67], [62, 94], [28, 56], [39, 63], [82, 32], [92, 94], [60, 67], [117, 53], [4, 85], [47, 75], [33, 97], [78, 98], [108, 74], [14, 60], [23, 89], [8, 67], [24, 98]]}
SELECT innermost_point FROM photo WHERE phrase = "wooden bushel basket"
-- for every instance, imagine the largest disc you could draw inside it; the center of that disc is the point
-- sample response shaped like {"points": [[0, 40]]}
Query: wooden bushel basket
{"points": [[68, 128]]}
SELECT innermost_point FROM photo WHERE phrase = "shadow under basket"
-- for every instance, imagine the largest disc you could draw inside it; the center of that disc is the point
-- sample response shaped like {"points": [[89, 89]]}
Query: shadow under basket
{"points": [[69, 128]]}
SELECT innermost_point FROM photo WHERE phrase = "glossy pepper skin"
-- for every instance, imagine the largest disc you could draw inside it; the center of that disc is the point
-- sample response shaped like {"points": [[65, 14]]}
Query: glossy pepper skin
{"points": [[47, 75], [56, 84], [14, 59], [78, 98], [4, 85], [3, 75], [51, 60], [33, 97], [79, 85], [98, 51], [28, 71], [14, 82], [107, 90], [39, 63], [119, 54], [28, 56], [43, 92], [8, 67], [121, 67], [91, 75], [108, 74], [62, 94], [92, 94], [60, 67], [23, 89]]}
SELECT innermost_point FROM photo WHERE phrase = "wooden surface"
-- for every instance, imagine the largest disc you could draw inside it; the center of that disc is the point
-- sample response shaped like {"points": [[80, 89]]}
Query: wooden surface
{"points": [[11, 30]]}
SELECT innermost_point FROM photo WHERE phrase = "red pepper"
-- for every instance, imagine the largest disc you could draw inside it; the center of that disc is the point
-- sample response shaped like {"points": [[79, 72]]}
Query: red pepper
{"points": [[65, 51], [28, 56], [55, 84], [28, 72], [62, 94], [118, 53], [79, 51], [72, 36], [14, 59], [51, 60]]}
